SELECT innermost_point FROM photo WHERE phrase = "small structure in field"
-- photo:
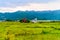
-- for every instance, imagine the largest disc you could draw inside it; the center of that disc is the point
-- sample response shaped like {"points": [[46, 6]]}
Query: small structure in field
{"points": [[34, 20], [24, 20]]}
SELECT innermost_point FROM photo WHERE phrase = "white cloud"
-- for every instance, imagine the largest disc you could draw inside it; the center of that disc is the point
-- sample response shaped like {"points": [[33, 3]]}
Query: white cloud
{"points": [[34, 6]]}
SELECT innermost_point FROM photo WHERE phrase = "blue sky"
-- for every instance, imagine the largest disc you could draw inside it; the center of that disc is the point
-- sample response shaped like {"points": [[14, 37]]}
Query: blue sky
{"points": [[9, 5]]}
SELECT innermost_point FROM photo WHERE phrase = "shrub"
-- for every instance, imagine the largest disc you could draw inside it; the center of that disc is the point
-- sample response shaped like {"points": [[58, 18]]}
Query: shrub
{"points": [[8, 20], [21, 21], [27, 21]]}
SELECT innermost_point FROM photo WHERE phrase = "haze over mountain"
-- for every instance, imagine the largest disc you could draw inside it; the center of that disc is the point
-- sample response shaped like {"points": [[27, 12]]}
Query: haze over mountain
{"points": [[40, 15]]}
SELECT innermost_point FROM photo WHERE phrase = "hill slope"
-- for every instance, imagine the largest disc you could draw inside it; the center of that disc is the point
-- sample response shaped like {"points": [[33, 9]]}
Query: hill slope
{"points": [[42, 15]]}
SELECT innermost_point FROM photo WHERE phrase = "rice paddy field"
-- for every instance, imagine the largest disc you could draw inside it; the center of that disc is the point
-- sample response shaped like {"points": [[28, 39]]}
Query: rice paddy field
{"points": [[30, 31]]}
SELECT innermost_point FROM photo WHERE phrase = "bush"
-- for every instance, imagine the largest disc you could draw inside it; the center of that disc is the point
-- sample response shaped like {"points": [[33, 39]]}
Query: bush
{"points": [[21, 21], [27, 21], [8, 20]]}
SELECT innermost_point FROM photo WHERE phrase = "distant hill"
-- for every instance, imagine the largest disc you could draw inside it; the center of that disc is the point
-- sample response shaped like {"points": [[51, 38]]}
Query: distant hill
{"points": [[40, 15]]}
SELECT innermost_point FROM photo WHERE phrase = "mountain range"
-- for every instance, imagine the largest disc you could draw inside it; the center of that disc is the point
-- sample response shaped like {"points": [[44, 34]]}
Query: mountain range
{"points": [[40, 15]]}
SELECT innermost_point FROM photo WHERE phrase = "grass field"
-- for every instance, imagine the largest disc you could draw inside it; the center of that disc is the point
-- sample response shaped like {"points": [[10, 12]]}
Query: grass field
{"points": [[29, 31]]}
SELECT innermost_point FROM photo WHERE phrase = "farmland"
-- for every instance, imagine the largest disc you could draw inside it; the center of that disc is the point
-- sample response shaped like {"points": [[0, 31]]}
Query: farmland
{"points": [[29, 31]]}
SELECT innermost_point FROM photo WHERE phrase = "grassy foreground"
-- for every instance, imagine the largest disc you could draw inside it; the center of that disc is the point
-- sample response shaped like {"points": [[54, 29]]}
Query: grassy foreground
{"points": [[29, 31]]}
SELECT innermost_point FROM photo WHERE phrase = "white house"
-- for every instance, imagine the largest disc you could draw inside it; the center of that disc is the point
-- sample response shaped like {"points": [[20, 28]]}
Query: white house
{"points": [[34, 20]]}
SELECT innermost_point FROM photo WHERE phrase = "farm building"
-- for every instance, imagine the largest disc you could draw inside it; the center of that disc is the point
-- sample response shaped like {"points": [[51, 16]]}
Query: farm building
{"points": [[34, 20]]}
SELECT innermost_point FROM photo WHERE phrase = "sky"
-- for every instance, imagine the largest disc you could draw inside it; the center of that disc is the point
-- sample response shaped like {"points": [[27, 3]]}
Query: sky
{"points": [[37, 5]]}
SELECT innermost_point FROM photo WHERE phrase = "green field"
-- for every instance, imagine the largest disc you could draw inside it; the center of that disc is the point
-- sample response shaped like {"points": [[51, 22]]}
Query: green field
{"points": [[29, 31]]}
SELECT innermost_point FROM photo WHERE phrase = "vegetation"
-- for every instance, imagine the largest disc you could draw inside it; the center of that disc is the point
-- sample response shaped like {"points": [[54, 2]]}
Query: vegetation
{"points": [[9, 20], [29, 31]]}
